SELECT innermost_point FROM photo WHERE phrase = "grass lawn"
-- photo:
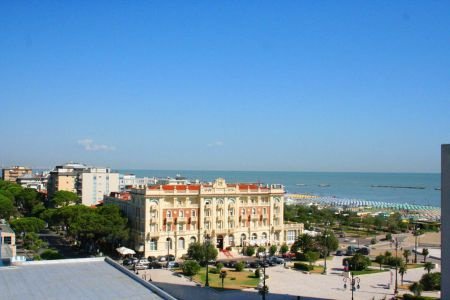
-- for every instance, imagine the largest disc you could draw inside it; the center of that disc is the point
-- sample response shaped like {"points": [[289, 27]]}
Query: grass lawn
{"points": [[414, 266], [317, 270], [368, 271], [244, 279]]}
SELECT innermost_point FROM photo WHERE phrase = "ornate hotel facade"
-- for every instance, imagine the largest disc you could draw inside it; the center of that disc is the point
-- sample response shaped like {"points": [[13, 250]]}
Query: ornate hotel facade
{"points": [[167, 218]]}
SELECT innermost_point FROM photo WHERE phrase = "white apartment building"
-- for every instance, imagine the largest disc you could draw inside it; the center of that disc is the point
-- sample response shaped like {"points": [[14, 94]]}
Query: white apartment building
{"points": [[167, 218], [97, 182]]}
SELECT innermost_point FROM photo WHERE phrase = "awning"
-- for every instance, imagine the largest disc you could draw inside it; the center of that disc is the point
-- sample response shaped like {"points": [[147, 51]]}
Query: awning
{"points": [[125, 251]]}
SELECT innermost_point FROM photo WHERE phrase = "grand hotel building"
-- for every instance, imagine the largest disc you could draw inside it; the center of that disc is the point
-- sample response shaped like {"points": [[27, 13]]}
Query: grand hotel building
{"points": [[167, 218]]}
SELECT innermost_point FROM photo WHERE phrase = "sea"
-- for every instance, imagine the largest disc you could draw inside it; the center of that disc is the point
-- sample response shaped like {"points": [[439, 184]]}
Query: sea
{"points": [[411, 188]]}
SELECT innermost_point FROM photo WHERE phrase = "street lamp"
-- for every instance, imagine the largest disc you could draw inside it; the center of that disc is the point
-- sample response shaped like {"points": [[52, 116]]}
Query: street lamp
{"points": [[396, 267], [353, 281], [326, 234], [206, 245], [416, 234], [168, 248], [264, 278]]}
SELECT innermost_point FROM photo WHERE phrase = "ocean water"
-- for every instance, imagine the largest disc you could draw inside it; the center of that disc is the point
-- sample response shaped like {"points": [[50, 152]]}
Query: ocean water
{"points": [[340, 185]]}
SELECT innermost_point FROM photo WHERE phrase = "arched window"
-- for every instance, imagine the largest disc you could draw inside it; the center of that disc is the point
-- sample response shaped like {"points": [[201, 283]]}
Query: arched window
{"points": [[181, 213], [193, 212], [153, 244], [253, 211], [169, 214], [220, 201], [231, 240], [231, 201], [192, 240], [181, 243], [254, 236], [264, 236]]}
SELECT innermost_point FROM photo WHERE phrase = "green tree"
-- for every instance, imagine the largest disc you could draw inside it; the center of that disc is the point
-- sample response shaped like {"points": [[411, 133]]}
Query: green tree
{"points": [[312, 257], [273, 250], [202, 252], [219, 267], [26, 200], [428, 266], [359, 262], [389, 237], [416, 288], [261, 249], [402, 270], [305, 242], [190, 268], [284, 248], [30, 224], [7, 208], [327, 241], [425, 253], [64, 198], [406, 254], [380, 260], [431, 281], [31, 241]]}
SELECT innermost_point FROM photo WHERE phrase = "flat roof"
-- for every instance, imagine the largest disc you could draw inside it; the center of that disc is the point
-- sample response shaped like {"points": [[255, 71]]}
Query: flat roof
{"points": [[72, 279], [6, 228]]}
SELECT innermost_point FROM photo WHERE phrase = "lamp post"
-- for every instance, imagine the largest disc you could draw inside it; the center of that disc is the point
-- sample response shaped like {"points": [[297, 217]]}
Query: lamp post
{"points": [[416, 234], [168, 248], [264, 278], [353, 281], [396, 267], [205, 245], [325, 250]]}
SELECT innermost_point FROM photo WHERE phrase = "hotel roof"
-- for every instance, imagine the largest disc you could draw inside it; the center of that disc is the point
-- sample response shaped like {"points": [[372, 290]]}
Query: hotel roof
{"points": [[91, 278]]}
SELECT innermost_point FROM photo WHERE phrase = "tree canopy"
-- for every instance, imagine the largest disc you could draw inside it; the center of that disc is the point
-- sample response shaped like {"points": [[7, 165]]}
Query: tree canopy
{"points": [[64, 198], [30, 224]]}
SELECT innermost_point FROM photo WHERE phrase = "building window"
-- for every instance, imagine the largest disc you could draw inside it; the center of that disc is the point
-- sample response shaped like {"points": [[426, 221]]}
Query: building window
{"points": [[219, 225], [169, 214], [231, 211], [181, 213], [291, 236], [181, 243], [193, 212], [180, 227], [193, 226], [153, 245], [243, 240], [192, 240], [264, 210], [243, 211], [253, 211], [207, 212], [264, 222], [264, 236], [207, 226], [168, 226], [219, 212], [231, 224], [254, 236]]}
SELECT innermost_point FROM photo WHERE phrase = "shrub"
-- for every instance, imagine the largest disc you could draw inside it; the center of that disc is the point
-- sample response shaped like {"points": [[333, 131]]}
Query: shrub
{"points": [[239, 266], [412, 297], [373, 241], [303, 266], [190, 267], [431, 282], [284, 248], [219, 266], [261, 249], [359, 262], [273, 250], [393, 261], [249, 251], [214, 271], [50, 254], [258, 273], [300, 256], [389, 237]]}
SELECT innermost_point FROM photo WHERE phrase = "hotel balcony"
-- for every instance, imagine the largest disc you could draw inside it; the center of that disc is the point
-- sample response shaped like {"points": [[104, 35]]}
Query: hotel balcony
{"points": [[193, 218], [181, 219], [169, 219]]}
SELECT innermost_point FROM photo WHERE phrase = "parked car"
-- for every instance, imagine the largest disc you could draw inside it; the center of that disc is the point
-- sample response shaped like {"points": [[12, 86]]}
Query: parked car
{"points": [[253, 264], [363, 251], [141, 265], [155, 265], [339, 253], [276, 260], [289, 255], [152, 258], [173, 264]]}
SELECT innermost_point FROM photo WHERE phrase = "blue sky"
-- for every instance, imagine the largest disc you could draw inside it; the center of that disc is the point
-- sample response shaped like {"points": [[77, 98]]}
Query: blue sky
{"points": [[227, 85]]}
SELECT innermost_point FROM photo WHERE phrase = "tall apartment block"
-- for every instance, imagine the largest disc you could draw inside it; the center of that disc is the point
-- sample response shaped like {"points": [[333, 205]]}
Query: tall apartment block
{"points": [[11, 174], [90, 183], [445, 219], [167, 218]]}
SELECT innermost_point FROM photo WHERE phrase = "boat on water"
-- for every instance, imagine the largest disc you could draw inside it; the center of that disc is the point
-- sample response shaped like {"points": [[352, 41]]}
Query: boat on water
{"points": [[324, 185]]}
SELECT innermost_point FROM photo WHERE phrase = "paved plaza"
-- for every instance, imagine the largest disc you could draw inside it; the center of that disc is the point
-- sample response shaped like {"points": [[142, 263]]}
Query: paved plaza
{"points": [[288, 284]]}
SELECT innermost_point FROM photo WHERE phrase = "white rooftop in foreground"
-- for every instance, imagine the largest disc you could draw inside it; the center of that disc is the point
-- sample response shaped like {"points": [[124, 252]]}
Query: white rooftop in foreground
{"points": [[71, 279]]}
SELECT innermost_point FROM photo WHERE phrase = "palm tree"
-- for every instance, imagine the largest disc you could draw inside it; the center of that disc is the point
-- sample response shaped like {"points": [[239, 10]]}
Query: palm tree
{"points": [[416, 288], [406, 254], [402, 271], [428, 266], [425, 253]]}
